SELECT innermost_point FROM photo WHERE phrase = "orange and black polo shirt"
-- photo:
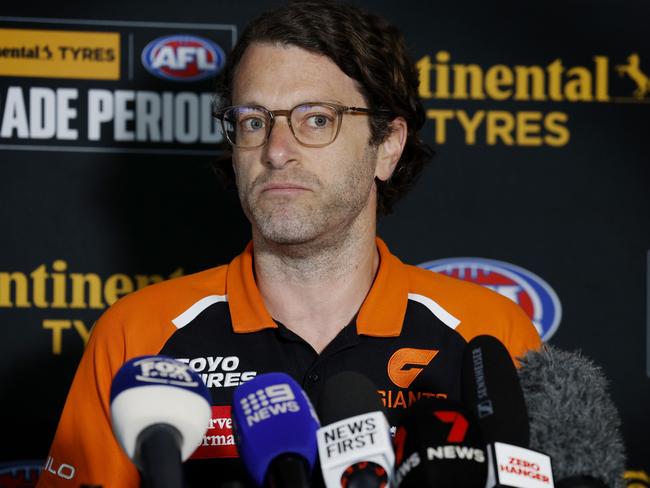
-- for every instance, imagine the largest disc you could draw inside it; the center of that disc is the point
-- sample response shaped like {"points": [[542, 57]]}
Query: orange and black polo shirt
{"points": [[407, 337]]}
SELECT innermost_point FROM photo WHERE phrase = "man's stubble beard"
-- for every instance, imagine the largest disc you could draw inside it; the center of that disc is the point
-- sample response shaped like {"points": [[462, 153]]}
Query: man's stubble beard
{"points": [[313, 218]]}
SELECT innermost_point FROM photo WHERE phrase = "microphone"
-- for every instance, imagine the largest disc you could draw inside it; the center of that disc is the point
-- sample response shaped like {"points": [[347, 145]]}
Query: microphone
{"points": [[275, 426], [160, 410], [438, 444], [573, 418], [354, 444], [491, 389]]}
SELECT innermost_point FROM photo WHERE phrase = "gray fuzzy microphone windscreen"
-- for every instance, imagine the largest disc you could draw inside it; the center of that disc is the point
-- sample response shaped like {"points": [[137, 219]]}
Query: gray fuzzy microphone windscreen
{"points": [[572, 416]]}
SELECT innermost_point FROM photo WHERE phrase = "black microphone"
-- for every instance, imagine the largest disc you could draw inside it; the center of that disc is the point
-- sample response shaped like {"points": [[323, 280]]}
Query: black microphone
{"points": [[354, 443], [438, 445], [493, 393], [573, 418]]}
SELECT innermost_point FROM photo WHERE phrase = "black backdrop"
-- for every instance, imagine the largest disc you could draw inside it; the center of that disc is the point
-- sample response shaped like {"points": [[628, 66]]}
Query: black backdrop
{"points": [[567, 198]]}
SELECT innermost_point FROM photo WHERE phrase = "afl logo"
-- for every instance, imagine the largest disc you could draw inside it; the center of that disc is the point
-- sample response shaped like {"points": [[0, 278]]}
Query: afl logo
{"points": [[183, 58], [524, 288]]}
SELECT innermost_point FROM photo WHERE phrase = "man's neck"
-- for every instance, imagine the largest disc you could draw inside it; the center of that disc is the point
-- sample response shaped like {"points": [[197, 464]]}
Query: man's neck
{"points": [[315, 290]]}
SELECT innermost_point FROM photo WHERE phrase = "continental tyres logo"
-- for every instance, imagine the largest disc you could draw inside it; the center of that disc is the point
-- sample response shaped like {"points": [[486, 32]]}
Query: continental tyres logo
{"points": [[61, 297], [600, 79], [406, 364], [60, 54]]}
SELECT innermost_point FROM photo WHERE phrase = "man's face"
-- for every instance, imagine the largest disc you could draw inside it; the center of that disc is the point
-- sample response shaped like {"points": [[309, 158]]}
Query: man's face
{"points": [[294, 194]]}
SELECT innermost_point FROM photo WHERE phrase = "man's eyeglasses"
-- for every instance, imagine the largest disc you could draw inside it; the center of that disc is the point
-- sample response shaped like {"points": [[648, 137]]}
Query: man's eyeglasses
{"points": [[313, 124]]}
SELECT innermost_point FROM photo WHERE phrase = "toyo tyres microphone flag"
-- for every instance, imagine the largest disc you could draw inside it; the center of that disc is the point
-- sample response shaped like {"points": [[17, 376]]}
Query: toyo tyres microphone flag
{"points": [[273, 417], [150, 390]]}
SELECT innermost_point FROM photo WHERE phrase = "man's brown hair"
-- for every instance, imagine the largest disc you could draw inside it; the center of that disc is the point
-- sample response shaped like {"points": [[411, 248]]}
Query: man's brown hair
{"points": [[370, 51]]}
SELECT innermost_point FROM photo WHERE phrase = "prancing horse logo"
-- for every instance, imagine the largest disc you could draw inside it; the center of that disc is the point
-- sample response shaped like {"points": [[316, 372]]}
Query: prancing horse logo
{"points": [[633, 70]]}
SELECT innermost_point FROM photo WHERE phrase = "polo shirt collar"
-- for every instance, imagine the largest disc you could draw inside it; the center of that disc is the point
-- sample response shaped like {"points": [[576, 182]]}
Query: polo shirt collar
{"points": [[381, 314]]}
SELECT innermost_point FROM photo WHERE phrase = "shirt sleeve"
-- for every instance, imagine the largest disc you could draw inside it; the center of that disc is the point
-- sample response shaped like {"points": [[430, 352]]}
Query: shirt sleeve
{"points": [[84, 450], [505, 320]]}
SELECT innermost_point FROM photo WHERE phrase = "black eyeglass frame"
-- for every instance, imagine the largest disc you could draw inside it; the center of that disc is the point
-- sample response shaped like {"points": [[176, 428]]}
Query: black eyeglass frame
{"points": [[271, 114]]}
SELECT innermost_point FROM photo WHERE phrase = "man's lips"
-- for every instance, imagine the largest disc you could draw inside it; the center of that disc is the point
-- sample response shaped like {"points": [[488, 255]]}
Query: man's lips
{"points": [[283, 187]]}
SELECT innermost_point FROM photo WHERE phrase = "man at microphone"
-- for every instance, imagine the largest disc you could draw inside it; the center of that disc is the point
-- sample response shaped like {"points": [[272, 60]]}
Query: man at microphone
{"points": [[319, 104]]}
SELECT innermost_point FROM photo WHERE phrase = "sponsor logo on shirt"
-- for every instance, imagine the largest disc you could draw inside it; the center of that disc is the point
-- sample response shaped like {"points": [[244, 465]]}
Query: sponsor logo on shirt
{"points": [[219, 371], [534, 295], [406, 364], [62, 470], [219, 439], [405, 398], [403, 367]]}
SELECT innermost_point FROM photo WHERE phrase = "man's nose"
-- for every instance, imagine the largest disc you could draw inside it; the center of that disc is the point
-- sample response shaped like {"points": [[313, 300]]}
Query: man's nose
{"points": [[281, 143]]}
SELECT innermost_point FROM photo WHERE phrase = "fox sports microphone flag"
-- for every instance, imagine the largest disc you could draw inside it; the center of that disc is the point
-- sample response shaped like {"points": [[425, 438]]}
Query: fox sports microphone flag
{"points": [[273, 418], [150, 390]]}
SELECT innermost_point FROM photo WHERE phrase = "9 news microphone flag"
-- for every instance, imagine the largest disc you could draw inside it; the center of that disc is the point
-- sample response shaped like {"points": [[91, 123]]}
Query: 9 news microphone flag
{"points": [[160, 410], [275, 426]]}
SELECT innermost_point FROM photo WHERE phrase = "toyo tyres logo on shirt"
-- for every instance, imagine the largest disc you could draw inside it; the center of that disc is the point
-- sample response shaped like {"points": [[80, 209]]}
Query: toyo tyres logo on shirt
{"points": [[534, 295], [183, 58]]}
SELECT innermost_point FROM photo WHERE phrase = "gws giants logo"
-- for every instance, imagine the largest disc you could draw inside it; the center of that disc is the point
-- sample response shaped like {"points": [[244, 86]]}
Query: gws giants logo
{"points": [[526, 289], [406, 364], [183, 58]]}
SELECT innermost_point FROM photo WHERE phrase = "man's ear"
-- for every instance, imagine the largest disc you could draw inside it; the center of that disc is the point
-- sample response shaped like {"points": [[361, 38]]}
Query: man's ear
{"points": [[390, 150]]}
